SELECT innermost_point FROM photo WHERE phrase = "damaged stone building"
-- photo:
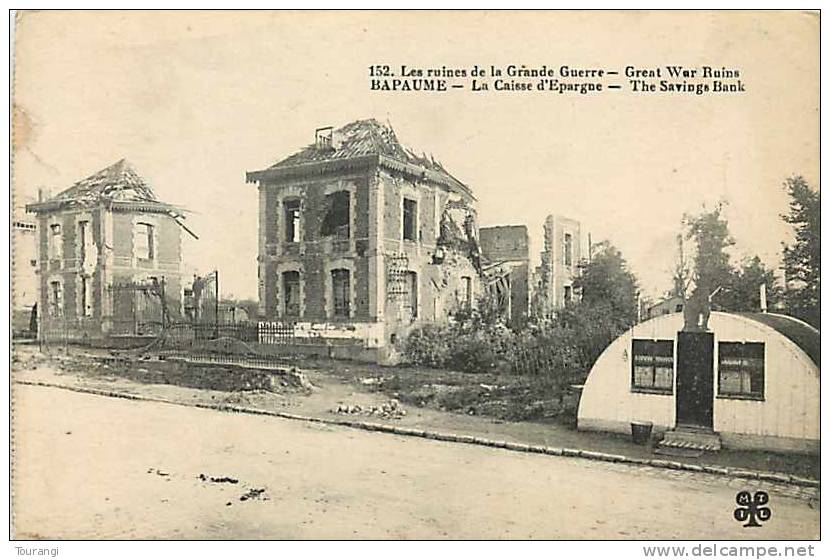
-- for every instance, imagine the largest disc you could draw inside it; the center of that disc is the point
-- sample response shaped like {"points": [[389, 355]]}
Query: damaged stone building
{"points": [[506, 267], [109, 257], [564, 248], [361, 239]]}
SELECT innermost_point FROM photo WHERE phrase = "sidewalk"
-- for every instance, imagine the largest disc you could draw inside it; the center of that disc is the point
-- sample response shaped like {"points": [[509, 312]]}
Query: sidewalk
{"points": [[334, 391]]}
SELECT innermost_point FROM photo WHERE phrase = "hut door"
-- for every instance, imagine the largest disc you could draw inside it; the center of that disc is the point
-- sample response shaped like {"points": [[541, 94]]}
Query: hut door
{"points": [[695, 378]]}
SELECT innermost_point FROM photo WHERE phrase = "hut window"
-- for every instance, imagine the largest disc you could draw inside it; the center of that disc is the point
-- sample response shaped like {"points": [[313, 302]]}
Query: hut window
{"points": [[741, 370], [652, 366]]}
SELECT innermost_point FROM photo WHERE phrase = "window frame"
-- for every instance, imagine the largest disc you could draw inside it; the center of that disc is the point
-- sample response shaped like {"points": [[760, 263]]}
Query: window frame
{"points": [[149, 232], [292, 225], [55, 242], [285, 304], [329, 227], [653, 343], [411, 295], [86, 293], [55, 298], [568, 250], [341, 309], [743, 369], [412, 230]]}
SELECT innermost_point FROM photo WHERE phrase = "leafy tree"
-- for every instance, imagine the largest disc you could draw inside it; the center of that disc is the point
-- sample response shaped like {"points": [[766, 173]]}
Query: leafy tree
{"points": [[710, 233], [606, 281], [742, 291], [802, 259]]}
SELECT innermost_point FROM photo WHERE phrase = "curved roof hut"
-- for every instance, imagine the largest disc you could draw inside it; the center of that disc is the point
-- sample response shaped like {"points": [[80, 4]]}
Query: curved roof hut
{"points": [[749, 380]]}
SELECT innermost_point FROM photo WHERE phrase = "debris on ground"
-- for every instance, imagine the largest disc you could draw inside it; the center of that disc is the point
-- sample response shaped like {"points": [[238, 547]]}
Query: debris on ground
{"points": [[299, 379], [391, 409], [253, 494], [218, 479], [158, 472], [371, 380]]}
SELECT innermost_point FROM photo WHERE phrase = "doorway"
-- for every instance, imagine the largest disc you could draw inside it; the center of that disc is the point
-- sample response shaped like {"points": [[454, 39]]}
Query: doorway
{"points": [[695, 378]]}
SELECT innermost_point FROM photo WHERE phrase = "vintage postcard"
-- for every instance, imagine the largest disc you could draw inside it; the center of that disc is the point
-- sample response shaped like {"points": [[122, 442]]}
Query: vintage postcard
{"points": [[367, 275]]}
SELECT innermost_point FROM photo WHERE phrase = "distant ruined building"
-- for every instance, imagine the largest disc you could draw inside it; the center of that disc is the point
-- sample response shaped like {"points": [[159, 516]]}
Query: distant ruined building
{"points": [[564, 248]]}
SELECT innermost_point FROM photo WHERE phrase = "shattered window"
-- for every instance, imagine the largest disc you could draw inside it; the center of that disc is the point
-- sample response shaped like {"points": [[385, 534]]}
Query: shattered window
{"points": [[410, 222], [292, 220], [144, 241], [336, 221], [55, 299], [340, 282], [84, 242], [568, 249], [55, 242], [468, 290], [86, 296], [291, 291], [410, 296]]}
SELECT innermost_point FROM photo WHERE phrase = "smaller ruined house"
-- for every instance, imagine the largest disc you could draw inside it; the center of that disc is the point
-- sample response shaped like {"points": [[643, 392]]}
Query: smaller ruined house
{"points": [[109, 257]]}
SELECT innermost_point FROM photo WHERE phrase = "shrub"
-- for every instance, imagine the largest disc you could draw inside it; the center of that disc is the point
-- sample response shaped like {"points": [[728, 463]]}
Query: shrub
{"points": [[428, 346]]}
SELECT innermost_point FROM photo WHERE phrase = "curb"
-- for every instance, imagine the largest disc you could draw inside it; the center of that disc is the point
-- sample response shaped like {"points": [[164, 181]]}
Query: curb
{"points": [[779, 478]]}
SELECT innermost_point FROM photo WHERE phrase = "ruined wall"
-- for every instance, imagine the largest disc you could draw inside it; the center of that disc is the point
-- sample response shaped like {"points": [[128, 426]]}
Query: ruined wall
{"points": [[557, 275], [315, 255], [505, 243]]}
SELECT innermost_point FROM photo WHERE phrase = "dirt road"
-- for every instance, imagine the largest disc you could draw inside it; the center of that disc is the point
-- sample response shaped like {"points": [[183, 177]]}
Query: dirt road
{"points": [[101, 468]]}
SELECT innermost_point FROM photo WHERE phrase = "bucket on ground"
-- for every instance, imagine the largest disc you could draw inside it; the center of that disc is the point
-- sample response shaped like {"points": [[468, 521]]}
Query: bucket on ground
{"points": [[641, 432]]}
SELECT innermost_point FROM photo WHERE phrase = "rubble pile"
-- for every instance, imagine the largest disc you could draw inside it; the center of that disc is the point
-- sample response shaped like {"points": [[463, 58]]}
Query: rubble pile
{"points": [[390, 410]]}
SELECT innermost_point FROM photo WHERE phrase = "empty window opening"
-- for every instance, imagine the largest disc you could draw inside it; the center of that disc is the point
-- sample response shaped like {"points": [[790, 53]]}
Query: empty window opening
{"points": [[337, 219], [292, 220], [410, 296], [55, 299], [86, 296], [144, 248], [410, 222], [341, 286], [291, 293], [55, 242], [568, 249], [568, 294], [85, 242], [467, 283]]}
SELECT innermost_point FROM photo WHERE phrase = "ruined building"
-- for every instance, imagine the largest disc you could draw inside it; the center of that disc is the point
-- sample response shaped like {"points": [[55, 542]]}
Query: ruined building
{"points": [[564, 247], [24, 274], [360, 239], [109, 257], [506, 266]]}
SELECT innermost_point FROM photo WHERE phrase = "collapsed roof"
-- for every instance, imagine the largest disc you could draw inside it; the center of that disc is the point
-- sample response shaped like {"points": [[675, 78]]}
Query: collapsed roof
{"points": [[368, 139], [116, 185]]}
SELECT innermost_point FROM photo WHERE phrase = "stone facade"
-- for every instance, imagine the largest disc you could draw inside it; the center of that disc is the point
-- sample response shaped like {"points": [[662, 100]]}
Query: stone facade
{"points": [[106, 246], [506, 252], [564, 248], [359, 236]]}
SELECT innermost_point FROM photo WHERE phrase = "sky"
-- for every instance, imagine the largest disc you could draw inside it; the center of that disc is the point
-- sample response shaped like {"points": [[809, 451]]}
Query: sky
{"points": [[194, 100]]}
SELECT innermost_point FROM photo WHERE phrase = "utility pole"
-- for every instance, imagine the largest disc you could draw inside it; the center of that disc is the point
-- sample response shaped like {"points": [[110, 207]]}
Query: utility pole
{"points": [[216, 307]]}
